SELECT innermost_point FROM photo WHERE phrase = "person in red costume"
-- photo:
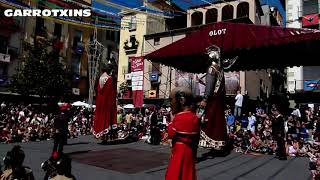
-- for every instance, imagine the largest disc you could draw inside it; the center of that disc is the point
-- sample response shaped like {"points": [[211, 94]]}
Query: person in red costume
{"points": [[105, 119], [184, 130]]}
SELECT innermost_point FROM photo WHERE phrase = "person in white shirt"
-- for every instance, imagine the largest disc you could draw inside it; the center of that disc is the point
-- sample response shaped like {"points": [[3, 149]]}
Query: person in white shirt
{"points": [[296, 112], [252, 121], [238, 104]]}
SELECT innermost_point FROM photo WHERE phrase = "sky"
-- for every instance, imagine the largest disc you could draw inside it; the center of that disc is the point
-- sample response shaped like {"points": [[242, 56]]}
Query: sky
{"points": [[184, 4]]}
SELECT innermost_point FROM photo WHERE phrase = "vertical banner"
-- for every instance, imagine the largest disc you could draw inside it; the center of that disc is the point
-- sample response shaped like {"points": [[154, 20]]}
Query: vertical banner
{"points": [[137, 68]]}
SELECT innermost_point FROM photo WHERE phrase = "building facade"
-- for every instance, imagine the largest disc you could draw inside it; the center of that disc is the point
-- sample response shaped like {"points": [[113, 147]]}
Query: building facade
{"points": [[71, 36], [133, 44], [256, 84], [303, 14]]}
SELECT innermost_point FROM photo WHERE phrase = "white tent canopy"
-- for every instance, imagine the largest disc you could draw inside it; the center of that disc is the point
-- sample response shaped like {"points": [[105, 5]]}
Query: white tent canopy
{"points": [[128, 106], [79, 103]]}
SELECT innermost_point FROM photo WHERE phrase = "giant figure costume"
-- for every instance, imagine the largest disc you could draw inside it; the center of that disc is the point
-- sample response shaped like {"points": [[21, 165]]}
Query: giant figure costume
{"points": [[214, 134], [106, 110]]}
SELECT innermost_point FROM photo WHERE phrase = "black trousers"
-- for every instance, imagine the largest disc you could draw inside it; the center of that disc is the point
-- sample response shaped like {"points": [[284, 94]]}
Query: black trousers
{"points": [[60, 139], [281, 148], [155, 135]]}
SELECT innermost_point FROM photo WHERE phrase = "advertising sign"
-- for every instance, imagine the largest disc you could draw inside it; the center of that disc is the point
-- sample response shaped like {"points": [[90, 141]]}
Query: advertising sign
{"points": [[311, 85], [137, 67]]}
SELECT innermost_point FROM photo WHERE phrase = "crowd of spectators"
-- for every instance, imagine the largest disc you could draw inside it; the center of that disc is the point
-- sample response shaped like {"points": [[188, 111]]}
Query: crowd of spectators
{"points": [[249, 133], [34, 122], [252, 133]]}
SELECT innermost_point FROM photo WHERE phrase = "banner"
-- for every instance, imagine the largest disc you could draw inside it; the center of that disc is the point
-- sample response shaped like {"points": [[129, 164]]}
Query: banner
{"points": [[309, 20], [311, 85], [137, 71]]}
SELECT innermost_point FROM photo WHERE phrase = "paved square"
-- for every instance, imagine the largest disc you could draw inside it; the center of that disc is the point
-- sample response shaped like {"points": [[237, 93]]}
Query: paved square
{"points": [[125, 160]]}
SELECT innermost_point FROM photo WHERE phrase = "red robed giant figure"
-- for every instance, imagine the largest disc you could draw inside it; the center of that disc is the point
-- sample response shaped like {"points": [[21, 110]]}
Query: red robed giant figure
{"points": [[106, 108]]}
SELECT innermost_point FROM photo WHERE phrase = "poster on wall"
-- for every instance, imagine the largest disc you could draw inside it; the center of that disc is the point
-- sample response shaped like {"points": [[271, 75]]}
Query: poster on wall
{"points": [[232, 80], [137, 71], [197, 82]]}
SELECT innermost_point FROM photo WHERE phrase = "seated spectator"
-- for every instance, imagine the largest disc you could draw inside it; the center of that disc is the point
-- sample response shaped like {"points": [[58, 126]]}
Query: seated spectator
{"points": [[303, 132], [14, 168], [292, 150]]}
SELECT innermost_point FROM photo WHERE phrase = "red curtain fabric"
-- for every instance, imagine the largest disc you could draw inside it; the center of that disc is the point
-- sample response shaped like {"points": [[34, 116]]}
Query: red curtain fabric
{"points": [[230, 37]]}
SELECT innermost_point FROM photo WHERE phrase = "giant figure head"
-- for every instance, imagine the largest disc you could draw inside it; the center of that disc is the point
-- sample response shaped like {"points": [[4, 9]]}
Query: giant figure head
{"points": [[107, 68], [214, 54]]}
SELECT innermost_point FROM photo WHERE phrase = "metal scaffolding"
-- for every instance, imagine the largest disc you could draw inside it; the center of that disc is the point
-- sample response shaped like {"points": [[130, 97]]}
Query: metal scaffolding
{"points": [[94, 50]]}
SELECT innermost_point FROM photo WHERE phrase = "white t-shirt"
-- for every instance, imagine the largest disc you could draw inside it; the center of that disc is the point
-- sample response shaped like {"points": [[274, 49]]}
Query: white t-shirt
{"points": [[252, 120], [292, 151], [296, 112], [239, 99]]}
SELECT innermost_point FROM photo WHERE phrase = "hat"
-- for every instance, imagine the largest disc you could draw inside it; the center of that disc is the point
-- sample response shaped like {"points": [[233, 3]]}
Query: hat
{"points": [[64, 106]]}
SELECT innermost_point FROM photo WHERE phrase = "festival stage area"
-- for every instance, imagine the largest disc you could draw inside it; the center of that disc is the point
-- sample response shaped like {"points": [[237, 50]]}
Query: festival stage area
{"points": [[140, 161]]}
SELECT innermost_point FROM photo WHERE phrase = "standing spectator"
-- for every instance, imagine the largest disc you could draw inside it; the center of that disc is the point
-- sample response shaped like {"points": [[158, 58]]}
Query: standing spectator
{"points": [[317, 130], [129, 118], [252, 122], [230, 122], [238, 104], [296, 112], [119, 117], [244, 122], [278, 134], [154, 129]]}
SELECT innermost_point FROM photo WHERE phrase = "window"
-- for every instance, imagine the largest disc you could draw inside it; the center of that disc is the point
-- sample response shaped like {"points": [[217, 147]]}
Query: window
{"points": [[129, 66], [112, 36], [227, 12], [3, 44], [243, 10], [76, 64], [117, 36], [156, 41], [108, 35], [211, 16], [156, 67], [39, 26], [77, 38], [196, 18], [57, 30], [290, 74], [133, 41], [310, 7], [133, 23]]}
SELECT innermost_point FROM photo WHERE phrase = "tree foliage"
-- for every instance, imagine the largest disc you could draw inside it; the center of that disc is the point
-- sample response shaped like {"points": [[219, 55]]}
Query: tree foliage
{"points": [[41, 72]]}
